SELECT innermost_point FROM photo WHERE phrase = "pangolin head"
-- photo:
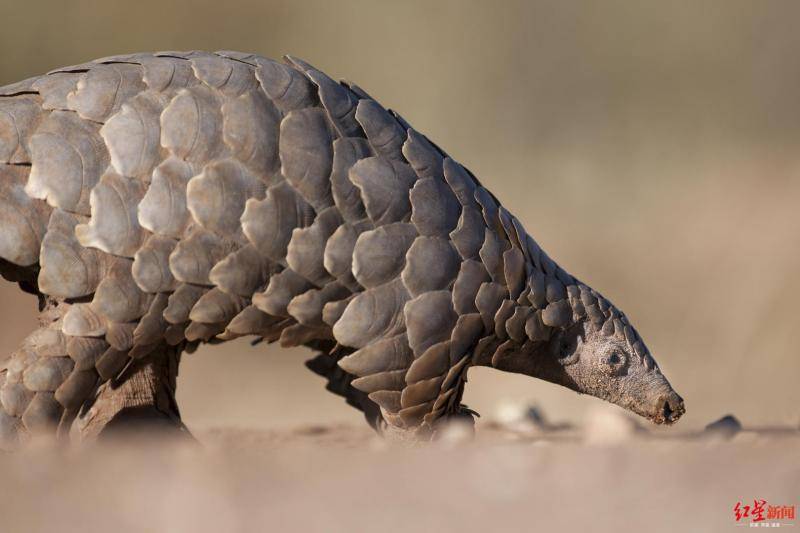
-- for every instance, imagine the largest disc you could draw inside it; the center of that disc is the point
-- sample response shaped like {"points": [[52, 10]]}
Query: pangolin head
{"points": [[609, 366], [598, 352]]}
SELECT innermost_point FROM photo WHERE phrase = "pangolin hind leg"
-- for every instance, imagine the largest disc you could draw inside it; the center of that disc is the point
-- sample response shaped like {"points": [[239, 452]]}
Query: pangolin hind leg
{"points": [[141, 400], [57, 387]]}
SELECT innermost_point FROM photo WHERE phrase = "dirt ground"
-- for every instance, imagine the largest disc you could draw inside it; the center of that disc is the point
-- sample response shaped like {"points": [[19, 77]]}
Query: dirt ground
{"points": [[513, 476]]}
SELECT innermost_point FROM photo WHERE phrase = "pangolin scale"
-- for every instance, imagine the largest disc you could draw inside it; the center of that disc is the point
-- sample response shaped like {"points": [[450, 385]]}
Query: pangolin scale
{"points": [[157, 201]]}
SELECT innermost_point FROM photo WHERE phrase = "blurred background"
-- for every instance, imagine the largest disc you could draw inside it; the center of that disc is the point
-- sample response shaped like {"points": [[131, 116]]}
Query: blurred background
{"points": [[652, 148]]}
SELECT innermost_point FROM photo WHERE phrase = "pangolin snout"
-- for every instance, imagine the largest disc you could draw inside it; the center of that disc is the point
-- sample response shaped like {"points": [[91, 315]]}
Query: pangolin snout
{"points": [[669, 409]]}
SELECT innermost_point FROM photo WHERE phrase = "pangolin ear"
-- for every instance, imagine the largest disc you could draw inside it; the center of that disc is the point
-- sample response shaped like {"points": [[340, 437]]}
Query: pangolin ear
{"points": [[570, 355]]}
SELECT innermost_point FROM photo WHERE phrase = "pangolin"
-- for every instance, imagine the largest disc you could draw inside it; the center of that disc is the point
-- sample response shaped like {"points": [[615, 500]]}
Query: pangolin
{"points": [[157, 201]]}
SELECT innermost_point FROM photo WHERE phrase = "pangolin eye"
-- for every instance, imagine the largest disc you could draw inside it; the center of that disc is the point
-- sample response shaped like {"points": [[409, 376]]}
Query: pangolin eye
{"points": [[614, 363]]}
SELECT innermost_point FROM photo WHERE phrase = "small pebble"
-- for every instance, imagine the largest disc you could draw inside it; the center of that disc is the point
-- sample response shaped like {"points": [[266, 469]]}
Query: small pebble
{"points": [[726, 427], [607, 426]]}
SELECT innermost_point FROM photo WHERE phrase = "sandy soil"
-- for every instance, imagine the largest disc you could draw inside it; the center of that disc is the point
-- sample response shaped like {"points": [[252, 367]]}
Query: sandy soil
{"points": [[514, 476]]}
